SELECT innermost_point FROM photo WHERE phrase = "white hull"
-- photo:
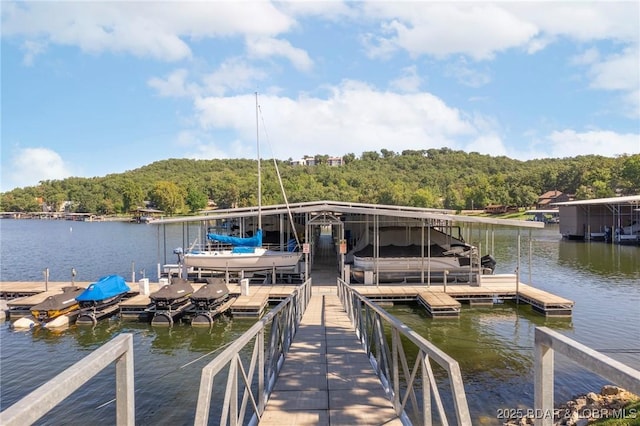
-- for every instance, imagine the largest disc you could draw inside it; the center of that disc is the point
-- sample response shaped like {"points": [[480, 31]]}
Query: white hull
{"points": [[225, 260], [392, 269], [397, 264]]}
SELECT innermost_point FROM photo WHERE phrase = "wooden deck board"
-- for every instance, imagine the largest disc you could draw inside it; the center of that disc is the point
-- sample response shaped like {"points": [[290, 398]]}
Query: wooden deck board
{"points": [[260, 295], [439, 300], [543, 297]]}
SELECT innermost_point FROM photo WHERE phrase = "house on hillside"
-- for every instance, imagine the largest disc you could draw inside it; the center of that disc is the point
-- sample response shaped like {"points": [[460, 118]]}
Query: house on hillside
{"points": [[550, 197], [334, 161], [499, 209], [311, 161]]}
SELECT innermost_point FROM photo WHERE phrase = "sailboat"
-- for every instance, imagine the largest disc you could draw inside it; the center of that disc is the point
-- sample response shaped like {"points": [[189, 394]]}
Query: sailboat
{"points": [[247, 253]]}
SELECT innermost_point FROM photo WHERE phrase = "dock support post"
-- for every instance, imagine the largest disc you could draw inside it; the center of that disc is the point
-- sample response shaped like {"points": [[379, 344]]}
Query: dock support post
{"points": [[46, 279]]}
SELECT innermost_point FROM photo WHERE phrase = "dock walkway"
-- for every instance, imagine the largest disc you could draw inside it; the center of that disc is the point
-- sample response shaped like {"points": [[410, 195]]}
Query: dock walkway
{"points": [[326, 378]]}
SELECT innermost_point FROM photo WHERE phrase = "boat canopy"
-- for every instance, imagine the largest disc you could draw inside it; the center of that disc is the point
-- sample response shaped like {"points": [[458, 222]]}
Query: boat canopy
{"points": [[106, 287], [254, 241]]}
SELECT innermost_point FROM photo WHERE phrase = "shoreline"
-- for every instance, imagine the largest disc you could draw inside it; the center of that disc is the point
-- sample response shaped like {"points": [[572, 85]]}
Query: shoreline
{"points": [[612, 403]]}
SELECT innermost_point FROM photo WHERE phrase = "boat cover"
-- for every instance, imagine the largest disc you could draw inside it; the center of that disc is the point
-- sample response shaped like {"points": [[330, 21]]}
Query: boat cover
{"points": [[104, 288], [255, 241], [61, 300], [216, 288], [178, 289]]}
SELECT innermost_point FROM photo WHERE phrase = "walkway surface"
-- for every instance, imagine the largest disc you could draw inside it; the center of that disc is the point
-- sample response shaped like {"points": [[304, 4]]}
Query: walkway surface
{"points": [[326, 378]]}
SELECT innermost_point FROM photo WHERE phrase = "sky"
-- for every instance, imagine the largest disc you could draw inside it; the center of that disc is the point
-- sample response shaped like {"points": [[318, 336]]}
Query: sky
{"points": [[92, 88]]}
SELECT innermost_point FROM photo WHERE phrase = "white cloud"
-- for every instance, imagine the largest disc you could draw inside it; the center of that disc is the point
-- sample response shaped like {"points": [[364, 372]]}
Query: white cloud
{"points": [[587, 57], [145, 29], [267, 47], [617, 72], [581, 21], [569, 143], [481, 30], [329, 10], [409, 81], [234, 74], [29, 166], [200, 145], [441, 29], [173, 86], [468, 75], [489, 144], [32, 48], [353, 118]]}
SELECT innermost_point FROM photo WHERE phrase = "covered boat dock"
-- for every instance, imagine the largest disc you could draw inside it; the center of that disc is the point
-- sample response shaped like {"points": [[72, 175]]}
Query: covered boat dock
{"points": [[613, 220], [352, 226]]}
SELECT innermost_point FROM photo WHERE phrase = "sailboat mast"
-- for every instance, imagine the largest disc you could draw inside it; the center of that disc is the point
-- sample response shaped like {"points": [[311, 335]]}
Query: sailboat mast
{"points": [[259, 168]]}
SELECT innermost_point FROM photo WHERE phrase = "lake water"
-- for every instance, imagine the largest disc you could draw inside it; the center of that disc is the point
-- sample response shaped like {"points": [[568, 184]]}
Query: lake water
{"points": [[494, 346]]}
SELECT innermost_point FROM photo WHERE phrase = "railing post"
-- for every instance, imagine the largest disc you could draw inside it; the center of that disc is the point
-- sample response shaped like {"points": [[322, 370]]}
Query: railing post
{"points": [[543, 385], [426, 392], [125, 387], [261, 394], [395, 342]]}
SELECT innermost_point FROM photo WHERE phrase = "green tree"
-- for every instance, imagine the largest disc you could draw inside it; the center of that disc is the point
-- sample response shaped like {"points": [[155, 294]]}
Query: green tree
{"points": [[132, 195], [196, 200], [168, 196], [424, 197], [630, 175]]}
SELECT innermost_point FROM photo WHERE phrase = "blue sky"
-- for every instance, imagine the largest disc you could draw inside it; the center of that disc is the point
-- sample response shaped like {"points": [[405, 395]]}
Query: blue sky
{"points": [[93, 88]]}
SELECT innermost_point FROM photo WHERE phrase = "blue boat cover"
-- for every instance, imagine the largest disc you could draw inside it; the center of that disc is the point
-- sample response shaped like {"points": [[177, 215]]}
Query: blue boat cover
{"points": [[255, 241], [104, 288]]}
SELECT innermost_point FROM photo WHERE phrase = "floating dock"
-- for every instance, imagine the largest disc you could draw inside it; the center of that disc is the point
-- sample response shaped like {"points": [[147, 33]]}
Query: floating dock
{"points": [[443, 301], [440, 301], [91, 317], [439, 304]]}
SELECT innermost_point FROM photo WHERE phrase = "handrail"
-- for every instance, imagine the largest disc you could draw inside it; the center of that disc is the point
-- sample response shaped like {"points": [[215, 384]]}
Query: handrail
{"points": [[406, 388], [39, 402], [250, 382], [547, 342]]}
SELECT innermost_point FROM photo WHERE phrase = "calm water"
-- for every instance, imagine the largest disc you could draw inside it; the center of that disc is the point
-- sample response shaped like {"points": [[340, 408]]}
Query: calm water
{"points": [[494, 346]]}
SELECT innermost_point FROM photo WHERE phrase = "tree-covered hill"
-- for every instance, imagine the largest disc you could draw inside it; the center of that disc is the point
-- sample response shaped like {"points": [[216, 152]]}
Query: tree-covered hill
{"points": [[437, 178]]}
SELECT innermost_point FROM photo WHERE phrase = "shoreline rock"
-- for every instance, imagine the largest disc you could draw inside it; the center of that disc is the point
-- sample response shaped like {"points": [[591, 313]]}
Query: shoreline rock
{"points": [[586, 409]]}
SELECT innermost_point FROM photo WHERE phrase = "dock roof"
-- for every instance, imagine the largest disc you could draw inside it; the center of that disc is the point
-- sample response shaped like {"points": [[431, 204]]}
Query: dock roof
{"points": [[633, 200], [320, 207]]}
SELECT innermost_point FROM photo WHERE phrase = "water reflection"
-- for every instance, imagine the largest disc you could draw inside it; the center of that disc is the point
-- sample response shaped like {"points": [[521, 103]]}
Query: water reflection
{"points": [[612, 261]]}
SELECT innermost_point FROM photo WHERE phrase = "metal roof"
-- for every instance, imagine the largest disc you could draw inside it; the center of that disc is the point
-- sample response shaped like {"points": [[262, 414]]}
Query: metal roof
{"points": [[630, 199], [543, 211], [351, 208]]}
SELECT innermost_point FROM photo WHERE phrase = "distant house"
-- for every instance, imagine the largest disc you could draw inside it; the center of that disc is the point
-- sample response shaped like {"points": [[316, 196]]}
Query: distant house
{"points": [[306, 161], [335, 161], [550, 197], [499, 208], [311, 161]]}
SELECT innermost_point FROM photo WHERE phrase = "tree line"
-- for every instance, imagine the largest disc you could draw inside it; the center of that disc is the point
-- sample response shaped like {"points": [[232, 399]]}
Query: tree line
{"points": [[434, 178]]}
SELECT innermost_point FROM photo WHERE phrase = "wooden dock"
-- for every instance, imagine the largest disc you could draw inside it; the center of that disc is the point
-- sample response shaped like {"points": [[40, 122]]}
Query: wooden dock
{"points": [[544, 302], [441, 301], [490, 292], [439, 304]]}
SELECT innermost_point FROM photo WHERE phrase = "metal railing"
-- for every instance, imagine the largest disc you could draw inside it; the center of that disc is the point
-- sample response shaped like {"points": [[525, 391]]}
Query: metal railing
{"points": [[547, 342], [250, 381], [39, 402], [411, 390]]}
